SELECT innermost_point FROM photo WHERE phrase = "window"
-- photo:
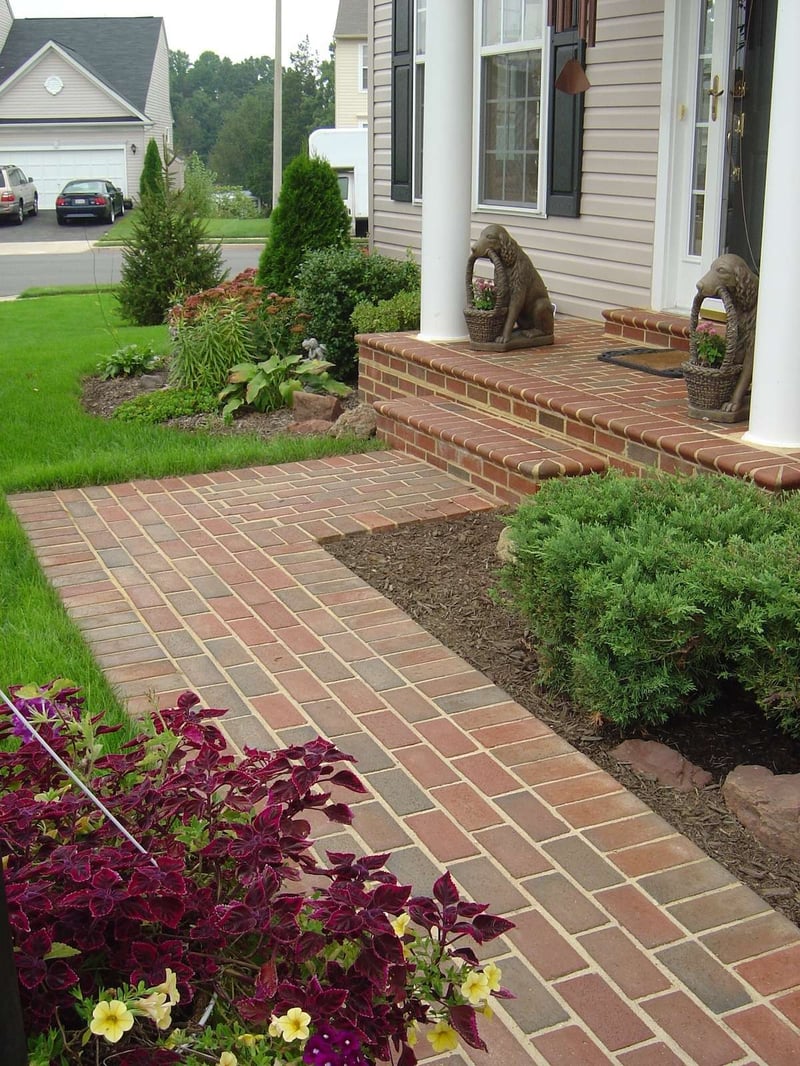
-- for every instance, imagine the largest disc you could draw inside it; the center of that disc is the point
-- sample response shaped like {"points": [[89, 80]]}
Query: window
{"points": [[420, 21], [512, 38], [363, 68]]}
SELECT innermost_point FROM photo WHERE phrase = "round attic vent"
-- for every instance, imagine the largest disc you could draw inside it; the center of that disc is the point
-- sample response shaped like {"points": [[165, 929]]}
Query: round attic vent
{"points": [[54, 85]]}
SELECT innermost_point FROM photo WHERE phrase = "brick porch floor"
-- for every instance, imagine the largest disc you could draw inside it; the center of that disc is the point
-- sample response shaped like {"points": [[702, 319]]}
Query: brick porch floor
{"points": [[631, 946]]}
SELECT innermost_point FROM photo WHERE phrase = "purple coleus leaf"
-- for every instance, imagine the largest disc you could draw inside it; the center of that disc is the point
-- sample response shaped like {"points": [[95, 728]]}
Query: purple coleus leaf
{"points": [[444, 889], [465, 1023]]}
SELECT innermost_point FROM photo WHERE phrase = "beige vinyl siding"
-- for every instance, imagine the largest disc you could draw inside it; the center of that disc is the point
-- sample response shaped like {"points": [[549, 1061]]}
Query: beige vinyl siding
{"points": [[6, 19], [80, 97], [351, 100], [604, 257]]}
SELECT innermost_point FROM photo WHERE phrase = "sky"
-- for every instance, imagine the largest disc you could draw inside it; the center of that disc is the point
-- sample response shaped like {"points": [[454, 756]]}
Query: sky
{"points": [[239, 30]]}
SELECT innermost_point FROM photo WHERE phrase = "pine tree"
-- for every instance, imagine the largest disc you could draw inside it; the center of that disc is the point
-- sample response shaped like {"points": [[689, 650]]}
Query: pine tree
{"points": [[165, 259], [152, 181], [310, 214]]}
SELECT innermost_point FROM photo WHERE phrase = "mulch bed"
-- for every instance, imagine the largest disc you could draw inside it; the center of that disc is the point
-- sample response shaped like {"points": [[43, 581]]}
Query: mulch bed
{"points": [[441, 574]]}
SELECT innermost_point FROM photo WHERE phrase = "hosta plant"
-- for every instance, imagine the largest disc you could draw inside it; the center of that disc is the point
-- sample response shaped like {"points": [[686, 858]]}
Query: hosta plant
{"points": [[207, 929], [129, 361], [269, 384]]}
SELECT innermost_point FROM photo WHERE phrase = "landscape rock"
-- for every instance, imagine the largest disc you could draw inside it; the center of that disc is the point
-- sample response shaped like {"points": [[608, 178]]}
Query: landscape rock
{"points": [[361, 422], [667, 766], [311, 427], [505, 547], [311, 406], [768, 805]]}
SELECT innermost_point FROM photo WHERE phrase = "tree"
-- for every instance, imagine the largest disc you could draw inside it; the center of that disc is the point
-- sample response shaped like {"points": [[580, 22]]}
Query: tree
{"points": [[165, 259], [152, 180], [310, 214]]}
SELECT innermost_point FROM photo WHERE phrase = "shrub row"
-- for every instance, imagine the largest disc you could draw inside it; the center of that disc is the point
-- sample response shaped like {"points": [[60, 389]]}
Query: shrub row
{"points": [[644, 595]]}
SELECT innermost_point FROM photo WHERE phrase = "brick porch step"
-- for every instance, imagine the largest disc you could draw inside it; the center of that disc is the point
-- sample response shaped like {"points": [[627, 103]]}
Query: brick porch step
{"points": [[508, 461], [643, 326]]}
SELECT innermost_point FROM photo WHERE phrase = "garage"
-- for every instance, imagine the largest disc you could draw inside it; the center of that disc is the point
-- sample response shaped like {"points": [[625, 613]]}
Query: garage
{"points": [[52, 168]]}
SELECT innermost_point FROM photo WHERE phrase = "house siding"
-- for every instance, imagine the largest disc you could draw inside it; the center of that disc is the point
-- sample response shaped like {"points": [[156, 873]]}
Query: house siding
{"points": [[6, 18], [351, 100], [604, 257], [159, 111], [80, 98]]}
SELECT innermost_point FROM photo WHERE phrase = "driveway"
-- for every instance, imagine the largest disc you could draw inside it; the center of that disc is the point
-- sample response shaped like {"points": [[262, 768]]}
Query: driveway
{"points": [[44, 228]]}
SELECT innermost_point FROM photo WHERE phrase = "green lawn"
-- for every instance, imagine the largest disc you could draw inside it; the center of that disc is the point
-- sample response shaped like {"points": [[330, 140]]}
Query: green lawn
{"points": [[249, 230], [47, 441]]}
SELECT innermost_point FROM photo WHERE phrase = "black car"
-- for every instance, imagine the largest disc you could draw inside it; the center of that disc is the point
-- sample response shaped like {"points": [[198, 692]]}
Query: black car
{"points": [[89, 198]]}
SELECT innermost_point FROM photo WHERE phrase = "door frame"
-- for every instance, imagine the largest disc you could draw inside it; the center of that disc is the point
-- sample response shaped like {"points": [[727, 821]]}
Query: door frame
{"points": [[667, 292]]}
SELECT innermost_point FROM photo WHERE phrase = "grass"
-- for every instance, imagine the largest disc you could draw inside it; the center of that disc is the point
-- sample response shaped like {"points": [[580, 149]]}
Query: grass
{"points": [[253, 230], [48, 441]]}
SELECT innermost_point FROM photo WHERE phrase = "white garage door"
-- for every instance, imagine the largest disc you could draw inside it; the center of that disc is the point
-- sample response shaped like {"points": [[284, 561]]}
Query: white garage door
{"points": [[52, 168]]}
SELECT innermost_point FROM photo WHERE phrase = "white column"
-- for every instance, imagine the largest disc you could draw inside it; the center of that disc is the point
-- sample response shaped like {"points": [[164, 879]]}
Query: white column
{"points": [[775, 403], [447, 168]]}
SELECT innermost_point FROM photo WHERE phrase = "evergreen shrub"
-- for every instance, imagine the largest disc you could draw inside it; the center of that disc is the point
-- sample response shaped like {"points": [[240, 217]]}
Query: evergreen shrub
{"points": [[396, 315], [161, 405], [310, 214], [330, 284], [165, 258], [152, 180], [643, 595]]}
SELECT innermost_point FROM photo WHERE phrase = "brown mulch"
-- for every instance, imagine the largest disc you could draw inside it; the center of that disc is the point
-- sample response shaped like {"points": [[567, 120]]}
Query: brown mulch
{"points": [[441, 574]]}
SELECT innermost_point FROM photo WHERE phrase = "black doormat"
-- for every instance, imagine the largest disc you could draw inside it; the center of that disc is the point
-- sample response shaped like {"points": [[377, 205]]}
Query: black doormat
{"points": [[664, 362]]}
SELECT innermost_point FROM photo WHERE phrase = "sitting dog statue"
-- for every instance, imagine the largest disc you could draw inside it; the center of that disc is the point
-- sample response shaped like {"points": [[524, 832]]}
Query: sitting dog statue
{"points": [[529, 307], [731, 273]]}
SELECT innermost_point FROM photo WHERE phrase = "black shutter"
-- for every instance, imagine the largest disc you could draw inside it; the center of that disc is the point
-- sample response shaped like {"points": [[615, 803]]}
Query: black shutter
{"points": [[402, 99], [566, 131]]}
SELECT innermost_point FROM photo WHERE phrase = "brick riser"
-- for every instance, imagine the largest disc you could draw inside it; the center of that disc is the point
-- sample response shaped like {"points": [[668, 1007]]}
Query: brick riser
{"points": [[492, 455], [637, 325], [415, 370]]}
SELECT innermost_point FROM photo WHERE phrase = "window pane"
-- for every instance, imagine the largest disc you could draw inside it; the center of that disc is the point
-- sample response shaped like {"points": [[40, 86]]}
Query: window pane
{"points": [[533, 20], [510, 128], [512, 21], [491, 21], [422, 7]]}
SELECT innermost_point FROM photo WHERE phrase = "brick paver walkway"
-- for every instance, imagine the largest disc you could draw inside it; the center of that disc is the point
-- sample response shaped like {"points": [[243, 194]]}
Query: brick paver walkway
{"points": [[631, 946]]}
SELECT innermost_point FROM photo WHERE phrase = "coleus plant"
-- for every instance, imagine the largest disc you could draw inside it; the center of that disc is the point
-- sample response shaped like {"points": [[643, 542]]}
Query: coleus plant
{"points": [[226, 934]]}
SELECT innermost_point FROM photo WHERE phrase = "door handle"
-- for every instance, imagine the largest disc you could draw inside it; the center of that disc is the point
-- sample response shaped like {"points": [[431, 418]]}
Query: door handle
{"points": [[715, 92]]}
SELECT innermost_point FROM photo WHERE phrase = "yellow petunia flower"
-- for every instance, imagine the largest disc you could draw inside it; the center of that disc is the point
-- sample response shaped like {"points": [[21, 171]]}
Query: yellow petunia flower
{"points": [[251, 1039], [169, 986], [227, 1058], [493, 976], [411, 1035], [443, 1037], [274, 1027], [400, 923], [111, 1019], [475, 988], [155, 1007], [293, 1024]]}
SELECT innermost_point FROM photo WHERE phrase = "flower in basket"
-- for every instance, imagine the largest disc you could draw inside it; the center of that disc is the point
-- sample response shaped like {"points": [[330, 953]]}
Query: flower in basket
{"points": [[484, 294], [709, 344], [215, 933]]}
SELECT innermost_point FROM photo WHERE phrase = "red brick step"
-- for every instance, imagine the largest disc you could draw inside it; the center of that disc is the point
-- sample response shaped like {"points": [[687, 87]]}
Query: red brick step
{"points": [[507, 460]]}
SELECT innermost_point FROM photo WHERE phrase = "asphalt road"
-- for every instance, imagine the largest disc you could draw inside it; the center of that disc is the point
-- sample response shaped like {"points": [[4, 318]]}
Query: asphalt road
{"points": [[40, 252]]}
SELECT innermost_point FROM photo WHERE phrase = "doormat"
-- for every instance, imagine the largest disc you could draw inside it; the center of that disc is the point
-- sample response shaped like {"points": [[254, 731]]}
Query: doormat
{"points": [[665, 362]]}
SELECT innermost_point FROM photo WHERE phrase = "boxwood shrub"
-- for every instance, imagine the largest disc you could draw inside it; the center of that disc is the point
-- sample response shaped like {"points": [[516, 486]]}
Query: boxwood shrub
{"points": [[643, 595]]}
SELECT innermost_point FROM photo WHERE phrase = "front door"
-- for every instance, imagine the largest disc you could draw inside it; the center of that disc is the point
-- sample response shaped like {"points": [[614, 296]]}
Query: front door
{"points": [[711, 200]]}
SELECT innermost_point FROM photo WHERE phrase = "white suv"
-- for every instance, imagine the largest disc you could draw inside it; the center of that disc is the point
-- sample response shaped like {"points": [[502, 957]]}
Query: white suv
{"points": [[18, 195]]}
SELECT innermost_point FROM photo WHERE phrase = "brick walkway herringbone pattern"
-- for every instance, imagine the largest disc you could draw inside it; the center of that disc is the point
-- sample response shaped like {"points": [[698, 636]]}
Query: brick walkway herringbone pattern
{"points": [[631, 946]]}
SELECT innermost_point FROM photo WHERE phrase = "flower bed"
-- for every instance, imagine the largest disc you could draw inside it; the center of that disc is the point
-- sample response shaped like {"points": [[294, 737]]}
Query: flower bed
{"points": [[214, 933]]}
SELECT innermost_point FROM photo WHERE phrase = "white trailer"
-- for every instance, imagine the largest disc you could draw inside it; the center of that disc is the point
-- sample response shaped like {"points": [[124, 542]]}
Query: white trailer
{"points": [[346, 151]]}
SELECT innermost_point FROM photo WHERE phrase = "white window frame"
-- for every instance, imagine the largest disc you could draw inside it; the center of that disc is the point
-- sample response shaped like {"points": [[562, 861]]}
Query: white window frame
{"points": [[363, 68], [480, 52]]}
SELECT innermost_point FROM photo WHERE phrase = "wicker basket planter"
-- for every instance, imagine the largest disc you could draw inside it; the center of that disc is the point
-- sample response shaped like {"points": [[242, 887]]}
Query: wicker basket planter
{"points": [[485, 326], [709, 388]]}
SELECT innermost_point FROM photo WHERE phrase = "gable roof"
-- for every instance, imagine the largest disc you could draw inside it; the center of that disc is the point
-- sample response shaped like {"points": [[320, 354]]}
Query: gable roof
{"points": [[120, 52], [351, 19]]}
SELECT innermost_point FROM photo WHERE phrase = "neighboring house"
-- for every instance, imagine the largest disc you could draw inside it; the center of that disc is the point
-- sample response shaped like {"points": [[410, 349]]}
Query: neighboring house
{"points": [[622, 194], [351, 35], [81, 97]]}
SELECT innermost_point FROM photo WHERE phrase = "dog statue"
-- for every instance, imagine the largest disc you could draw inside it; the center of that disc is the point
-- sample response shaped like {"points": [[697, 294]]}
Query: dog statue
{"points": [[731, 273], [529, 307]]}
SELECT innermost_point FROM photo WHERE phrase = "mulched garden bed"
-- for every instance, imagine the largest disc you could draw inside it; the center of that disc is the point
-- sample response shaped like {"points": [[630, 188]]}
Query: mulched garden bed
{"points": [[441, 574]]}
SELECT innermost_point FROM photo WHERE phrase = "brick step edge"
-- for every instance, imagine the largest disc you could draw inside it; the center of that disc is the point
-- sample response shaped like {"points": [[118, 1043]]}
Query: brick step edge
{"points": [[504, 460], [652, 328]]}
